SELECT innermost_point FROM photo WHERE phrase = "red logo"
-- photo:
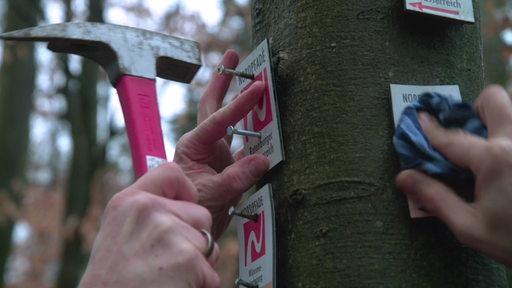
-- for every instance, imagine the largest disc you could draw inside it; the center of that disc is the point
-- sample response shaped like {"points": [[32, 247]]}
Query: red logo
{"points": [[254, 239], [261, 115]]}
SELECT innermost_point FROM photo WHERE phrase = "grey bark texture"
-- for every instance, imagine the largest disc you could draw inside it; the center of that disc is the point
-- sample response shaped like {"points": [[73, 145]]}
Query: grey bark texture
{"points": [[340, 220]]}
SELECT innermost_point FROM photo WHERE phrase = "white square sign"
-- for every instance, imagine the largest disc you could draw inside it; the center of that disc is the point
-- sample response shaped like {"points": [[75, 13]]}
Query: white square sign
{"points": [[257, 239], [264, 118], [455, 9], [404, 95]]}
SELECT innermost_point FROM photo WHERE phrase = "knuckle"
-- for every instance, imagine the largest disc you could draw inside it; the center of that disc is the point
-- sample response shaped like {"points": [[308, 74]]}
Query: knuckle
{"points": [[451, 137], [170, 166], [464, 234], [141, 203], [190, 253], [192, 257], [117, 202], [498, 155], [468, 230], [237, 181], [182, 146], [502, 150], [204, 215], [137, 203]]}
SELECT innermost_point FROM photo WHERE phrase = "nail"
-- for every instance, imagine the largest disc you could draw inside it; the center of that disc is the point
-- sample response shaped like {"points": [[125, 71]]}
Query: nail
{"points": [[232, 130], [221, 69], [232, 211], [239, 282]]}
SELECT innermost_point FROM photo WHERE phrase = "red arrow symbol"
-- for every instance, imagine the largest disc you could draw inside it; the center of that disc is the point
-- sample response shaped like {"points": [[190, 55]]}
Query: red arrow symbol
{"points": [[420, 6]]}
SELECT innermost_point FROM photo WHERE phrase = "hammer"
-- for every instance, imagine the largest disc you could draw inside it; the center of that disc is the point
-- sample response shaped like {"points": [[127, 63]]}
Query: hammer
{"points": [[132, 59]]}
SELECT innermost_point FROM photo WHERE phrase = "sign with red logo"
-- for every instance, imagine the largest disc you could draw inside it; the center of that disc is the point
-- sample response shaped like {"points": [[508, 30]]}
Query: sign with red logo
{"points": [[263, 117], [256, 239]]}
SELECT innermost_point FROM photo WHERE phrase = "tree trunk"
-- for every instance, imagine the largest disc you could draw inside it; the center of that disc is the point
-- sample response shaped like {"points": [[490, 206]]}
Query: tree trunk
{"points": [[88, 155], [340, 220], [17, 78]]}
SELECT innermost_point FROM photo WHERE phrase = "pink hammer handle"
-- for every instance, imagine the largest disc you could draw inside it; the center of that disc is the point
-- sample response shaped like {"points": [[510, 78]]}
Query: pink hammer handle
{"points": [[142, 119]]}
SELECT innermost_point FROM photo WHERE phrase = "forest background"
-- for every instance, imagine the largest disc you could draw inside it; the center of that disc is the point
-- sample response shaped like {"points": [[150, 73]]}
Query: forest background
{"points": [[63, 148]]}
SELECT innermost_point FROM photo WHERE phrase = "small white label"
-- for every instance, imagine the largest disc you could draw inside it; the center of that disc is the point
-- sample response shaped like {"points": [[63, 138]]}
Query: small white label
{"points": [[264, 118], [257, 239], [455, 9], [403, 96], [154, 162]]}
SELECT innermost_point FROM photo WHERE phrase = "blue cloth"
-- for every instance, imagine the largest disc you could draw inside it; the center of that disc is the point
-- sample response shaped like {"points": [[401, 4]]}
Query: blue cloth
{"points": [[414, 149]]}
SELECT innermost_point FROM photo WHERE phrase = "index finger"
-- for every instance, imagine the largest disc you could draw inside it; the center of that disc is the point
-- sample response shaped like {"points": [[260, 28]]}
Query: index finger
{"points": [[495, 108], [214, 128], [214, 94], [463, 149]]}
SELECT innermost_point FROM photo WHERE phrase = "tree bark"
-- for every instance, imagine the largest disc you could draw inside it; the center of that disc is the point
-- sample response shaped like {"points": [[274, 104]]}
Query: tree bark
{"points": [[340, 220], [17, 78]]}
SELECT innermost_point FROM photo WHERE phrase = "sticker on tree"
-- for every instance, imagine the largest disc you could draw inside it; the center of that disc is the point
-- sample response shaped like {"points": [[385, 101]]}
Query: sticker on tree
{"points": [[455, 9], [264, 117], [401, 97], [256, 238]]}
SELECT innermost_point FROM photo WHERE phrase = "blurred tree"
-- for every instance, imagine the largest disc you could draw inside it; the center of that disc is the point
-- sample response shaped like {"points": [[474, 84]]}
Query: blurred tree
{"points": [[340, 220], [88, 154], [495, 20], [17, 78]]}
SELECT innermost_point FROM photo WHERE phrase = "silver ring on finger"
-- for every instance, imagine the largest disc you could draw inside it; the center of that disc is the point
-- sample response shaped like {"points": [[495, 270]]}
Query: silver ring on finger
{"points": [[211, 243]]}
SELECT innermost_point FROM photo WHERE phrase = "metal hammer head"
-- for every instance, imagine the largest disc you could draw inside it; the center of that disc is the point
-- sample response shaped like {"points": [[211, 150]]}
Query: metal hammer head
{"points": [[120, 50]]}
